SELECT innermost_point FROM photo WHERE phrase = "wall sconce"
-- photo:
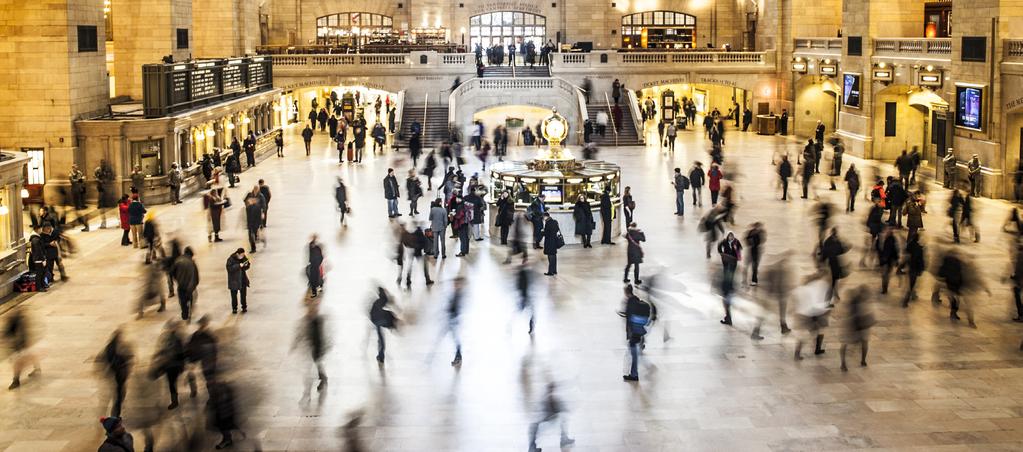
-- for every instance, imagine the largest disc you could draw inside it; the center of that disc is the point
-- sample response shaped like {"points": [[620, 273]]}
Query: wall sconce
{"points": [[828, 67], [199, 136], [230, 126], [799, 65], [883, 73], [24, 193], [3, 209], [210, 133], [246, 120]]}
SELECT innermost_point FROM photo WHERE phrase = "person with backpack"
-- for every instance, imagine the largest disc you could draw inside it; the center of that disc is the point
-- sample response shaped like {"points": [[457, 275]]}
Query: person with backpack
{"points": [[681, 184], [639, 314], [535, 213]]}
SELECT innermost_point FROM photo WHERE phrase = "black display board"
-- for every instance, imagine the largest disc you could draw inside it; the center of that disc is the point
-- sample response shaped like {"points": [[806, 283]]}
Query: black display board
{"points": [[177, 87]]}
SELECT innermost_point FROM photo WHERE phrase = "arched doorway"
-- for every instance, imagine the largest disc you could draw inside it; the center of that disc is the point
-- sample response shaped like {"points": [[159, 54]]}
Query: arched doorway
{"points": [[515, 118], [816, 100], [506, 27], [658, 30], [902, 121], [355, 29]]}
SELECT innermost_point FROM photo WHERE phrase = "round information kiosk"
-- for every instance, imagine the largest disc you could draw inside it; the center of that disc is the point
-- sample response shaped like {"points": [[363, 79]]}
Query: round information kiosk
{"points": [[562, 179]]}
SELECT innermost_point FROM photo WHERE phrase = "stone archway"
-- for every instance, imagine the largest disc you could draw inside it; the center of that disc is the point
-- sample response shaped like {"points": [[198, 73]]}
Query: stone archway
{"points": [[816, 100], [902, 120]]}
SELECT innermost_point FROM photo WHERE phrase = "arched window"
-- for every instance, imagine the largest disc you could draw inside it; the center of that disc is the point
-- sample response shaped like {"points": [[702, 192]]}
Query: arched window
{"points": [[354, 29], [658, 30], [506, 27]]}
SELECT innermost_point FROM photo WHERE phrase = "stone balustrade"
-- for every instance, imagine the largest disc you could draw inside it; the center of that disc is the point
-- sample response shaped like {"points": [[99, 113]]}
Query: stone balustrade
{"points": [[818, 45], [931, 47]]}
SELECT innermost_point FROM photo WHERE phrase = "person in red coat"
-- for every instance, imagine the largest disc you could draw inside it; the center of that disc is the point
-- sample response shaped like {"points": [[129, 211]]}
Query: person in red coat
{"points": [[714, 176], [122, 209]]}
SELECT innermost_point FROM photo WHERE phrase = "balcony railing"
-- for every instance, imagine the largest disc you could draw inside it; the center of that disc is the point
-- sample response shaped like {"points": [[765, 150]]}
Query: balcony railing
{"points": [[1013, 49], [596, 59], [822, 45], [913, 46]]}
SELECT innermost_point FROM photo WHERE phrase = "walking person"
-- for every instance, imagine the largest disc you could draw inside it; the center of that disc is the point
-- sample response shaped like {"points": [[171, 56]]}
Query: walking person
{"points": [[314, 268], [414, 191], [730, 251], [832, 250], [639, 315], [250, 150], [454, 316], [535, 214], [174, 179], [552, 408], [888, 255], [213, 202], [169, 359], [136, 215], [915, 261], [117, 439], [696, 181], [852, 182], [391, 193], [117, 360], [606, 216], [313, 335], [18, 334], [479, 209], [858, 323], [237, 279], [307, 138], [672, 134], [279, 143], [755, 238], [253, 215], [784, 173], [438, 223], [809, 156], [681, 184], [104, 175], [955, 207], [552, 241], [264, 191], [813, 310], [382, 318], [582, 215], [461, 216], [186, 276], [341, 197], [634, 253], [714, 176]]}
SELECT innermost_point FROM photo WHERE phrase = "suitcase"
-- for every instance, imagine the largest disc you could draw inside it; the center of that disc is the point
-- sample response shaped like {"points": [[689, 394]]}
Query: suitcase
{"points": [[351, 155]]}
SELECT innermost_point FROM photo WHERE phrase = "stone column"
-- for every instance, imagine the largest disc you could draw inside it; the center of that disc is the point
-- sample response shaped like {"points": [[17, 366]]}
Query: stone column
{"points": [[144, 32]]}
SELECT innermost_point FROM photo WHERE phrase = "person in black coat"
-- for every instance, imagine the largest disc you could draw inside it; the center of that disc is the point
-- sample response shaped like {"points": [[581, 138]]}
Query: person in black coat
{"points": [[322, 118], [505, 215], [223, 411], [606, 215], [896, 196], [755, 238], [332, 123], [809, 157], [391, 193], [888, 256], [169, 359], [914, 260], [831, 251], [696, 180], [635, 252], [253, 218], [852, 181], [784, 173], [382, 318], [314, 269], [583, 217], [250, 149], [535, 214], [731, 253], [238, 279], [552, 240]]}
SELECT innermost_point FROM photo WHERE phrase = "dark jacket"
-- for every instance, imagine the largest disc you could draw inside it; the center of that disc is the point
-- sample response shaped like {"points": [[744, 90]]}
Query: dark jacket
{"points": [[186, 274], [391, 187], [583, 217], [253, 215], [831, 249], [696, 177], [237, 277], [136, 212], [479, 207], [635, 251], [505, 212], [307, 135], [551, 237], [852, 180], [874, 222], [785, 169]]}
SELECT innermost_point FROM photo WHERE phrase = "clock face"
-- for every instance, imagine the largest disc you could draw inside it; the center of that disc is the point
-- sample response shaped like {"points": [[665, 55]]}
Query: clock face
{"points": [[555, 128]]}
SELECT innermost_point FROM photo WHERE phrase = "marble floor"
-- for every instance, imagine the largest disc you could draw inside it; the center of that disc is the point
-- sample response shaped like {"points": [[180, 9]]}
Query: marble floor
{"points": [[931, 385]]}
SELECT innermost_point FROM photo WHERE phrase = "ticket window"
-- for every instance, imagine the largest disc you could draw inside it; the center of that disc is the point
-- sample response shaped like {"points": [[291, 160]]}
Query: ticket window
{"points": [[148, 155]]}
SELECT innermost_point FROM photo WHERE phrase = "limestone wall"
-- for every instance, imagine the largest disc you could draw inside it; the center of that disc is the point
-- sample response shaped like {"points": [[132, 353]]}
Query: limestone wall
{"points": [[224, 28], [144, 32]]}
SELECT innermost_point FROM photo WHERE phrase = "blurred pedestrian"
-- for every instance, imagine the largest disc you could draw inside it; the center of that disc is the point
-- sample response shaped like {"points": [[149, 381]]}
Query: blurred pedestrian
{"points": [[186, 275], [116, 359], [314, 268], [755, 238], [888, 256], [552, 241], [914, 259], [607, 214], [152, 289], [341, 197], [20, 339], [203, 348], [813, 310], [506, 215], [731, 254], [552, 408], [169, 359], [313, 335], [382, 318], [852, 182], [858, 323]]}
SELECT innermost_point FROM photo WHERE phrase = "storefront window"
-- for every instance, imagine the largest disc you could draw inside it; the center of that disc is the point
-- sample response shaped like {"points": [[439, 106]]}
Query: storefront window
{"points": [[36, 174], [148, 155], [354, 29]]}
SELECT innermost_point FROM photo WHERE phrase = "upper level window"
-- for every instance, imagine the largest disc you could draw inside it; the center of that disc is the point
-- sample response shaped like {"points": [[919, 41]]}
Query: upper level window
{"points": [[507, 27], [658, 30], [182, 38], [87, 38], [355, 28]]}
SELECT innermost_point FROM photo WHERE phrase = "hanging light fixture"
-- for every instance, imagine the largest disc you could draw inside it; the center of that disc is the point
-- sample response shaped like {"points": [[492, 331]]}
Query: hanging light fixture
{"points": [[3, 209]]}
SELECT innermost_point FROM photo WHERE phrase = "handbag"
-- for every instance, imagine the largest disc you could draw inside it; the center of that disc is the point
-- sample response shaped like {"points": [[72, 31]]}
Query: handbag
{"points": [[560, 241], [227, 202]]}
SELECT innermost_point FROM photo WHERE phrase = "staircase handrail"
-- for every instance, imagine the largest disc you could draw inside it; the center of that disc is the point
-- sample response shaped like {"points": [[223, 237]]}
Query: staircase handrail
{"points": [[399, 111], [426, 109], [611, 115], [637, 115]]}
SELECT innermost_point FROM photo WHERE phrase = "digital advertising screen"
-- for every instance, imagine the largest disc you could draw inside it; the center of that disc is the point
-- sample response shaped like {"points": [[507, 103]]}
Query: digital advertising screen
{"points": [[970, 107], [552, 194], [851, 90]]}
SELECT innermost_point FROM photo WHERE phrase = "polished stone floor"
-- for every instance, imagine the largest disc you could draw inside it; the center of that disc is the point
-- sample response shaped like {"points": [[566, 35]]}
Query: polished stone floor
{"points": [[930, 386]]}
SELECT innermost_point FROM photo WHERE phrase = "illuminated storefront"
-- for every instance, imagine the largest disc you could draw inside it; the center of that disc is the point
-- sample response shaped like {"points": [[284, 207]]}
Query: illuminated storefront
{"points": [[658, 30], [507, 27], [354, 29]]}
